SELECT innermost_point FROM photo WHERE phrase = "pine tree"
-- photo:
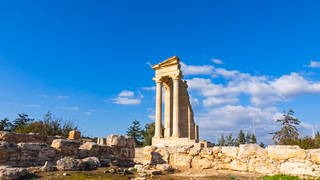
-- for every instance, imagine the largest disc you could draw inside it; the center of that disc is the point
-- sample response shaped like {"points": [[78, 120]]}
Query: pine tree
{"points": [[230, 140], [248, 138], [253, 139], [221, 141], [5, 125], [136, 132], [20, 124], [241, 138], [288, 133]]}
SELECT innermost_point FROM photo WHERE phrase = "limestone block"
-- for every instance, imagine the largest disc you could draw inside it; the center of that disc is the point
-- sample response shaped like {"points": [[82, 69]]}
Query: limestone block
{"points": [[201, 163], [74, 135], [296, 168], [237, 165], [12, 173], [35, 154], [68, 164], [130, 142], [250, 150], [195, 151], [206, 153], [314, 155], [283, 152], [180, 160], [66, 147], [27, 138], [7, 150], [116, 140], [89, 163], [229, 151], [88, 149], [263, 165]]}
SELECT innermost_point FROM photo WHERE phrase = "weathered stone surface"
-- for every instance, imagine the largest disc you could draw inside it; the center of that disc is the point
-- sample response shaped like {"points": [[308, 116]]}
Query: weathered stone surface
{"points": [[207, 153], [66, 147], [116, 140], [180, 160], [68, 164], [74, 135], [201, 163], [263, 165], [250, 150], [12, 173], [89, 163], [8, 151], [89, 149], [26, 138], [195, 151], [164, 167], [34, 154], [296, 168], [315, 155], [229, 151], [282, 152]]}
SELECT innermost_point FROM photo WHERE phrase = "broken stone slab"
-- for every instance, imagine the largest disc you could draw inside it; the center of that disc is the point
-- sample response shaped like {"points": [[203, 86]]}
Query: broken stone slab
{"points": [[12, 173]]}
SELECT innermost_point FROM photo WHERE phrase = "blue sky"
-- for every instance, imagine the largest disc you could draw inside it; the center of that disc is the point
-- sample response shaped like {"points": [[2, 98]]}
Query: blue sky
{"points": [[89, 61]]}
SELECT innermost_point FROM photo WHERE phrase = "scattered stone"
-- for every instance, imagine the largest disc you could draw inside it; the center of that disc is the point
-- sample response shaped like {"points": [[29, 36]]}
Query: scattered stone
{"points": [[66, 147], [283, 152], [12, 173], [65, 174], [47, 167], [74, 135], [164, 167], [89, 163], [68, 164]]}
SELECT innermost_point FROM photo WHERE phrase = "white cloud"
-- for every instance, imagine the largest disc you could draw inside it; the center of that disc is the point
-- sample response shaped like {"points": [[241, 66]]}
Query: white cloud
{"points": [[127, 98], [69, 108], [217, 61], [151, 88], [231, 119], [61, 97], [126, 93], [196, 70], [314, 64]]}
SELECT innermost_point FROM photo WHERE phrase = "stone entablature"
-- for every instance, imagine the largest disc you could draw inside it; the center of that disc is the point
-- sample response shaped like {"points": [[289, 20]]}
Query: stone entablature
{"points": [[179, 127]]}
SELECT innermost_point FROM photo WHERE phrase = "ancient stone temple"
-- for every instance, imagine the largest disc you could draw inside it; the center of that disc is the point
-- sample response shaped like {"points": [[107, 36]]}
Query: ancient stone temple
{"points": [[175, 126]]}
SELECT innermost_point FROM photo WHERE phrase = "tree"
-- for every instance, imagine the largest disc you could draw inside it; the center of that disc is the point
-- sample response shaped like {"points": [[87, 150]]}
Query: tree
{"points": [[248, 138], [5, 125], [221, 141], [148, 133], [253, 139], [288, 133], [229, 140], [136, 132], [20, 123], [241, 138]]}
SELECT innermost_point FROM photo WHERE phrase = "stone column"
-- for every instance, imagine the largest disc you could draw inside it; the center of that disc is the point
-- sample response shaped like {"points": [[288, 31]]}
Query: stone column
{"points": [[158, 124], [176, 107], [196, 133], [168, 109]]}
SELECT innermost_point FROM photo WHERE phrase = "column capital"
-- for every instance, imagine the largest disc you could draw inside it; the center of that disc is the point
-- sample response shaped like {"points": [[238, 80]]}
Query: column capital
{"points": [[176, 76], [158, 80]]}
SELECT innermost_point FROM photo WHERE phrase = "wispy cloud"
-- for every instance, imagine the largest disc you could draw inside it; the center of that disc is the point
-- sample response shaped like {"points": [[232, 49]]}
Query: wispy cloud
{"points": [[151, 88], [217, 61], [314, 64], [126, 97], [196, 70], [69, 108], [58, 97]]}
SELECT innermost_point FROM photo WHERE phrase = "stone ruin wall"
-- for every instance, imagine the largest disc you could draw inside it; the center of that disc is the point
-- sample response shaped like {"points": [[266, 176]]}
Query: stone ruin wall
{"points": [[25, 150], [274, 159]]}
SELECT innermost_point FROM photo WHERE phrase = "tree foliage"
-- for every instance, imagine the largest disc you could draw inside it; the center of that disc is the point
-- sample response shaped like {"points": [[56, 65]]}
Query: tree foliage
{"points": [[288, 133], [5, 125], [148, 134], [136, 132], [49, 126]]}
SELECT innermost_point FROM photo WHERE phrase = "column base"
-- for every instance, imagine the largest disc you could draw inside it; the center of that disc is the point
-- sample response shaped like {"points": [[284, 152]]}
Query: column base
{"points": [[172, 141]]}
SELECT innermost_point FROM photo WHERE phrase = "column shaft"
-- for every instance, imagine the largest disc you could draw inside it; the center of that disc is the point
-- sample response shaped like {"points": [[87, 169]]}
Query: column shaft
{"points": [[176, 113], [158, 124]]}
